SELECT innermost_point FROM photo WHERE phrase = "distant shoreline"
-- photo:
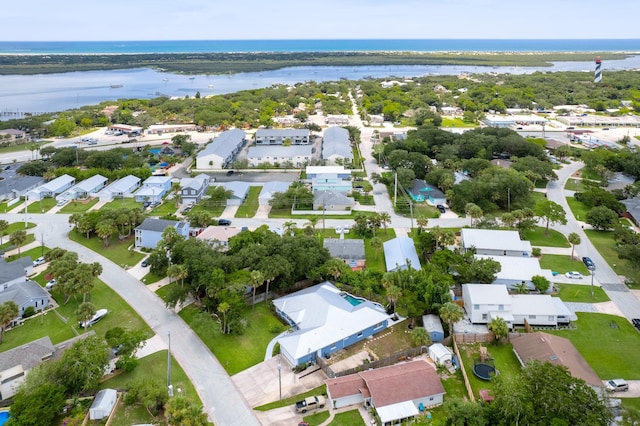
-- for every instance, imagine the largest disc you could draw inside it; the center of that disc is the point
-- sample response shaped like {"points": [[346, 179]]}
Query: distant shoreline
{"points": [[231, 63]]}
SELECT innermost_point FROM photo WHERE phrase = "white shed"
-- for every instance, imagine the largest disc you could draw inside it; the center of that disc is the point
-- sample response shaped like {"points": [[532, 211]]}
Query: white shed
{"points": [[440, 354], [103, 404]]}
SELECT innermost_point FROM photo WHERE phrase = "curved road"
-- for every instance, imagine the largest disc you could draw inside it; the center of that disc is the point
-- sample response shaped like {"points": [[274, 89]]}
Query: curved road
{"points": [[222, 401], [611, 283]]}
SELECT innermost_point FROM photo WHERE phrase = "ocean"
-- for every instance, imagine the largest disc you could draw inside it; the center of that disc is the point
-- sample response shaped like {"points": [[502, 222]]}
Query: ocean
{"points": [[415, 45], [45, 93]]}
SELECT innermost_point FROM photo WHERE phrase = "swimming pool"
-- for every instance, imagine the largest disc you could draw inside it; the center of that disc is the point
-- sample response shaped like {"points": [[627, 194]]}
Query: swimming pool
{"points": [[355, 301], [4, 417]]}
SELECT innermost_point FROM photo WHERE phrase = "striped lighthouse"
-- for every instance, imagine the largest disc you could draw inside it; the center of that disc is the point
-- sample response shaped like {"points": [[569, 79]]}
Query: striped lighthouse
{"points": [[597, 78]]}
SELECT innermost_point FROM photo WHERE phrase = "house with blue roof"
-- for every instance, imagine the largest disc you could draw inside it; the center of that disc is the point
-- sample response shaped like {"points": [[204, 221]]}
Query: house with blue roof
{"points": [[400, 254], [423, 192], [325, 319]]}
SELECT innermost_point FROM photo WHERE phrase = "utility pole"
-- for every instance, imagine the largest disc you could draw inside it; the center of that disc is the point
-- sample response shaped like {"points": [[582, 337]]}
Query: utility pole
{"points": [[169, 385], [509, 199], [395, 190]]}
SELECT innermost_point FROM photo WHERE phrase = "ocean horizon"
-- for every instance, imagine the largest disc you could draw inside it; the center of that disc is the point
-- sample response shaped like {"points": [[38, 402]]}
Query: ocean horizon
{"points": [[316, 45]]}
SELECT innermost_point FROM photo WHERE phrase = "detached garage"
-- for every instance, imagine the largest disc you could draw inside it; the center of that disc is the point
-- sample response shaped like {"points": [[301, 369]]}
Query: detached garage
{"points": [[440, 354], [103, 404]]}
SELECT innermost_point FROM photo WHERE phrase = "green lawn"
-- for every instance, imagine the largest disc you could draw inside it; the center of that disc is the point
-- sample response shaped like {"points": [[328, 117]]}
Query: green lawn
{"points": [[424, 210], [167, 208], [286, 214], [79, 206], [374, 260], [151, 278], [577, 184], [505, 362], [456, 122], [454, 386], [35, 253], [581, 293], [16, 226], [561, 264], [8, 246], [364, 200], [347, 418], [236, 352], [118, 251], [62, 324], [608, 343], [42, 206], [152, 367], [250, 205], [163, 292], [214, 209], [605, 244], [539, 237], [122, 203], [579, 209], [318, 418]]}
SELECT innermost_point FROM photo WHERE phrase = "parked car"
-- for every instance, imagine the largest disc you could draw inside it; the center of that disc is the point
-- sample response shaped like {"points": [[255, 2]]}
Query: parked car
{"points": [[154, 204], [573, 274], [230, 172], [617, 385], [310, 403], [62, 203], [145, 263], [100, 313], [50, 284], [589, 263], [636, 323], [39, 261], [441, 208], [224, 222]]}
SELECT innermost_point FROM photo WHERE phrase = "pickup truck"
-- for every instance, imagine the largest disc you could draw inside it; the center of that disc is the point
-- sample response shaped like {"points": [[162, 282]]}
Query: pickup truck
{"points": [[310, 403]]}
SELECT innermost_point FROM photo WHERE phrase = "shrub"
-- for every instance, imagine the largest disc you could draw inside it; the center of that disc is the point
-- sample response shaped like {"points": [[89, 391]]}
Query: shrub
{"points": [[29, 312]]}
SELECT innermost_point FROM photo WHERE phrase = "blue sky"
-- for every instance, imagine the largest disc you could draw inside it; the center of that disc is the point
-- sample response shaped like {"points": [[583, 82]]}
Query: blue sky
{"points": [[324, 19]]}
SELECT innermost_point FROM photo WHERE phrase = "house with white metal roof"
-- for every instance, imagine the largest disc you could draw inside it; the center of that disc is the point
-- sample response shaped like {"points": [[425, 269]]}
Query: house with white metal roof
{"points": [[122, 188], [84, 189], [297, 155], [483, 302], [270, 188], [221, 151], [103, 404], [153, 189], [239, 191], [326, 319], [539, 310], [400, 254], [336, 145], [279, 136], [315, 171], [52, 188], [518, 270], [494, 242]]}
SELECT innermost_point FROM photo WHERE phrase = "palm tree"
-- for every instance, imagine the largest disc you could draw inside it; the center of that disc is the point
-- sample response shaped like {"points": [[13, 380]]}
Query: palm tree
{"points": [[289, 227], [393, 294], [376, 245], [312, 222], [474, 211], [105, 230], [498, 326], [451, 313], [385, 219], [422, 222], [8, 312], [420, 336], [574, 240], [223, 308], [85, 311], [520, 288], [4, 225], [178, 272], [18, 238], [257, 278]]}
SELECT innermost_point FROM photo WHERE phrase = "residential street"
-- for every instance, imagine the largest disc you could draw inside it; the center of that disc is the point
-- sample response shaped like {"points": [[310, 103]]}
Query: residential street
{"points": [[221, 399], [611, 283]]}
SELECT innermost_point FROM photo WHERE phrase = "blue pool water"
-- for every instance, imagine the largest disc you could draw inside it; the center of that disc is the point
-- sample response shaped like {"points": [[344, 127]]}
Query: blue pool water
{"points": [[4, 417], [155, 151], [352, 299]]}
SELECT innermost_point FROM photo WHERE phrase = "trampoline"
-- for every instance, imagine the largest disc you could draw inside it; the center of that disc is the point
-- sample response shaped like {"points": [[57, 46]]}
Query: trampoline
{"points": [[484, 371]]}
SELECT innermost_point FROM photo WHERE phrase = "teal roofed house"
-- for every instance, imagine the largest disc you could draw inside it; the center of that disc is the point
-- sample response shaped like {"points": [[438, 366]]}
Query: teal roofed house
{"points": [[423, 192]]}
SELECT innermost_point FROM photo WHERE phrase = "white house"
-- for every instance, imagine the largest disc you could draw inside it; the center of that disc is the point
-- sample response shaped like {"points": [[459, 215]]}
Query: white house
{"points": [[297, 155], [494, 242], [336, 146], [221, 151], [153, 189], [84, 189], [239, 191], [326, 319], [315, 171], [270, 188], [483, 302], [122, 188], [517, 270], [52, 188], [400, 254], [397, 393], [279, 136]]}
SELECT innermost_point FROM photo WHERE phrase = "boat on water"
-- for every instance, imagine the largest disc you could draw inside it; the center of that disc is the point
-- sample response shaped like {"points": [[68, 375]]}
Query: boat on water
{"points": [[116, 86], [165, 79], [192, 78]]}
